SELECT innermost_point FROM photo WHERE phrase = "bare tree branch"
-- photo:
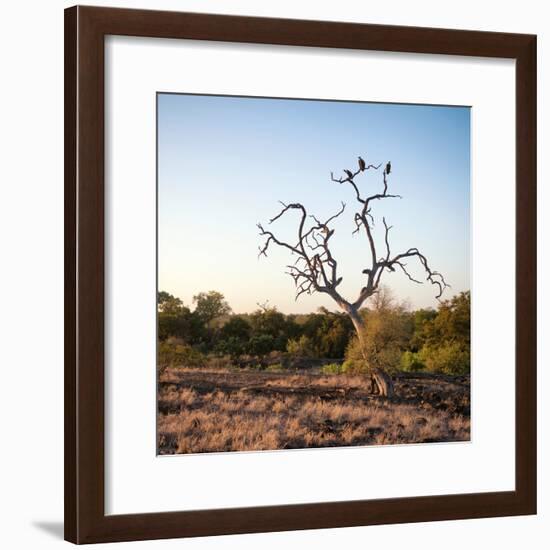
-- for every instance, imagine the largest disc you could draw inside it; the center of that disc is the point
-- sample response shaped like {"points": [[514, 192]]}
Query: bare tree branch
{"points": [[434, 277], [316, 269]]}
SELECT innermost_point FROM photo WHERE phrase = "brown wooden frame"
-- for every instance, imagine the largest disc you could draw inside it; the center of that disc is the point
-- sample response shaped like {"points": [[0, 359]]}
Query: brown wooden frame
{"points": [[85, 29]]}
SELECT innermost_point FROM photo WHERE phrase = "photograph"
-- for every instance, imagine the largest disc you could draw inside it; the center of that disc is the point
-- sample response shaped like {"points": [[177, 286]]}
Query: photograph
{"points": [[313, 273]]}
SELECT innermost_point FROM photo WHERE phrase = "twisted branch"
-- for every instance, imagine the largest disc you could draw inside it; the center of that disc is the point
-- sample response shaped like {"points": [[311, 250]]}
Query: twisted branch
{"points": [[315, 269], [318, 271]]}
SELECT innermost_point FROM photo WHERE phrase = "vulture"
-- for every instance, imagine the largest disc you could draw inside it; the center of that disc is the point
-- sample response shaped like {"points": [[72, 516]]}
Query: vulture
{"points": [[349, 174], [362, 164], [388, 167]]}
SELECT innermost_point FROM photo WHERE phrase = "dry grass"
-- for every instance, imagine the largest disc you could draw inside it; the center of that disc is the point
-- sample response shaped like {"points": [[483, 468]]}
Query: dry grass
{"points": [[208, 410]]}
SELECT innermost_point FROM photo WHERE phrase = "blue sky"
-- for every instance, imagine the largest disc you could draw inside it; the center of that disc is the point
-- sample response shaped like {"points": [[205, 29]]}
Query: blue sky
{"points": [[225, 162]]}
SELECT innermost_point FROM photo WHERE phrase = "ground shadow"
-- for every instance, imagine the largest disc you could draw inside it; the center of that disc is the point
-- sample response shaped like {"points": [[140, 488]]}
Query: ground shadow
{"points": [[53, 528]]}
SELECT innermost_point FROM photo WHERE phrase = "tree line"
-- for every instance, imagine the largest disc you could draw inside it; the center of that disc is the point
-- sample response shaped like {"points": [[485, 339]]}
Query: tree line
{"points": [[434, 340]]}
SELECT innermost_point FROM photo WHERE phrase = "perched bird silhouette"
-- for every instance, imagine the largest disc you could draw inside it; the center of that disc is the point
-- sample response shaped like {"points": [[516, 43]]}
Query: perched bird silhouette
{"points": [[362, 164], [388, 167], [349, 174]]}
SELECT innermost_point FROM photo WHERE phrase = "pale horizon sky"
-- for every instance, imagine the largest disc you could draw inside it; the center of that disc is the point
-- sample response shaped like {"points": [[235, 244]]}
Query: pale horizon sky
{"points": [[225, 162]]}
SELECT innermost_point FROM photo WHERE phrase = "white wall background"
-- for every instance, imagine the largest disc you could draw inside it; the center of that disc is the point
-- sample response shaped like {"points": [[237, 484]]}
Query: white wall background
{"points": [[31, 229]]}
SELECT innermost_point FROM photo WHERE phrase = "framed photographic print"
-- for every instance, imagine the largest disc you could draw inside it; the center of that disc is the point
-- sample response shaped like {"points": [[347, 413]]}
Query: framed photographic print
{"points": [[295, 251]]}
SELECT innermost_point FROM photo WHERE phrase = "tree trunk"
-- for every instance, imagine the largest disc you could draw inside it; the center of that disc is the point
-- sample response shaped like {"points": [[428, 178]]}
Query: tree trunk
{"points": [[381, 381]]}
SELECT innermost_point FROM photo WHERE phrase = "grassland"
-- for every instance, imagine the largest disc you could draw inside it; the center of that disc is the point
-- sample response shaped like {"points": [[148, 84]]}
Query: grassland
{"points": [[213, 410]]}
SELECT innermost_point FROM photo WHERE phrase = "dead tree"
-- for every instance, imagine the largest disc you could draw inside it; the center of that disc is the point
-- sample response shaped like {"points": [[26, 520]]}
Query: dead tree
{"points": [[316, 270]]}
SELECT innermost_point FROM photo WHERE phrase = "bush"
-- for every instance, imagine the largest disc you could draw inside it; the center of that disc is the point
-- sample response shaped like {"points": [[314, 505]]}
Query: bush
{"points": [[231, 346], [261, 344], [301, 347], [332, 368], [268, 322], [411, 362], [354, 366], [174, 353], [355, 361], [451, 324], [219, 361], [385, 338], [362, 358], [450, 358], [236, 327], [328, 333]]}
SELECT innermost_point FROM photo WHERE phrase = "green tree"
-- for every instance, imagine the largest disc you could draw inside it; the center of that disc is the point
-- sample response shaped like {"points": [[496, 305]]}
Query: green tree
{"points": [[210, 306], [327, 333], [447, 358], [236, 327], [233, 337], [261, 344], [177, 320], [167, 303], [451, 324], [441, 342], [268, 321], [301, 347], [232, 346], [421, 319]]}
